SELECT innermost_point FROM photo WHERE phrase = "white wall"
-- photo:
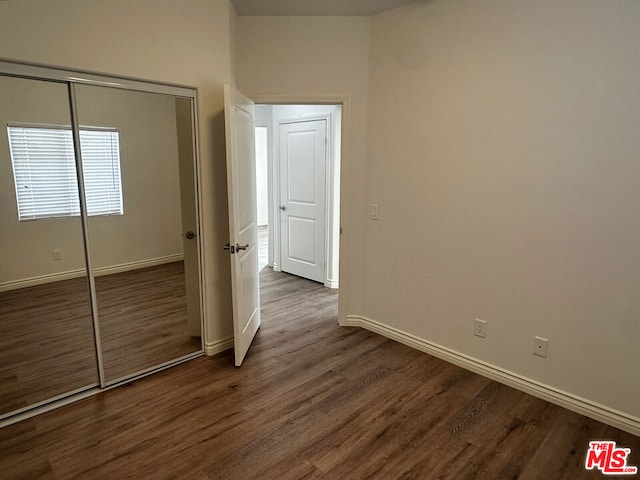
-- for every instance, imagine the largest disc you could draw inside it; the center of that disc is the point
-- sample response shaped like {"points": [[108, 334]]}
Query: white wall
{"points": [[262, 174], [264, 118], [503, 151], [186, 42], [296, 59]]}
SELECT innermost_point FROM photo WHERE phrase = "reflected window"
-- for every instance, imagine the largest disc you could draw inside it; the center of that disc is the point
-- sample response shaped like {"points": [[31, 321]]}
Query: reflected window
{"points": [[45, 173]]}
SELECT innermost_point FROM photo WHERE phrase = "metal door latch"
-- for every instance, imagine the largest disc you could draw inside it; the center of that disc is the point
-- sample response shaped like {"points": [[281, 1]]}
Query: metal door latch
{"points": [[235, 248]]}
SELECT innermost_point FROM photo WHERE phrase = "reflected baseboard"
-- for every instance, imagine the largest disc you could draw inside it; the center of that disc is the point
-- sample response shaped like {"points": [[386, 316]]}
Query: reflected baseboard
{"points": [[98, 272], [127, 267], [218, 346]]}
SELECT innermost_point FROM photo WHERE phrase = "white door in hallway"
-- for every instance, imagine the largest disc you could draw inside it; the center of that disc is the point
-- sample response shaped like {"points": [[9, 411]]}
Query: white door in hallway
{"points": [[243, 229], [303, 162]]}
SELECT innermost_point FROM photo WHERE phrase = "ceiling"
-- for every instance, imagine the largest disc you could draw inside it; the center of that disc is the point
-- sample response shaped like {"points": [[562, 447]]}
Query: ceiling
{"points": [[315, 7]]}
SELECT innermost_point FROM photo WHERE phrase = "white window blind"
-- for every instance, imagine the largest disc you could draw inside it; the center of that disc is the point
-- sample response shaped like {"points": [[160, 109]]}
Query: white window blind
{"points": [[45, 173], [101, 170]]}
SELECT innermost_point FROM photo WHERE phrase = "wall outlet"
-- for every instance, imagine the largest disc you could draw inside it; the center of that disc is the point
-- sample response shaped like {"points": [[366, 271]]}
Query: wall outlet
{"points": [[480, 328], [540, 347], [57, 255], [374, 212]]}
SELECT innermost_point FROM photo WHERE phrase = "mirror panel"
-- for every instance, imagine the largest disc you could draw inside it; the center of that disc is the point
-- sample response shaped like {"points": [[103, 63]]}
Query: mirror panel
{"points": [[144, 262], [47, 344]]}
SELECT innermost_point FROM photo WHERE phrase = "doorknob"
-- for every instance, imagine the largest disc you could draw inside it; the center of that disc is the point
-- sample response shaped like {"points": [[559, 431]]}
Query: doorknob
{"points": [[189, 235], [235, 248], [283, 208]]}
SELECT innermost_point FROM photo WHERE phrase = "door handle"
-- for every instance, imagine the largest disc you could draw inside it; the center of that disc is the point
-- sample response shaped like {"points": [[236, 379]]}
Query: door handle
{"points": [[235, 248], [189, 235], [283, 208]]}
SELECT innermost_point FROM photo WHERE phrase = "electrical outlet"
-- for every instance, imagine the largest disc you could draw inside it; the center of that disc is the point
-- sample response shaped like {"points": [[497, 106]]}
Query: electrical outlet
{"points": [[540, 347], [374, 211], [57, 255], [480, 328]]}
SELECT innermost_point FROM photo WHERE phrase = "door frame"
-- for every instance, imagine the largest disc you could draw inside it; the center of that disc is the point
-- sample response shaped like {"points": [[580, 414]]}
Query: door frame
{"points": [[331, 164], [344, 100], [345, 147]]}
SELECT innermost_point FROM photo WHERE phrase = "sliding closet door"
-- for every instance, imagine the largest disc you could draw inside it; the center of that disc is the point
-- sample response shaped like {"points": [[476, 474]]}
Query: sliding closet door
{"points": [[137, 156], [47, 346]]}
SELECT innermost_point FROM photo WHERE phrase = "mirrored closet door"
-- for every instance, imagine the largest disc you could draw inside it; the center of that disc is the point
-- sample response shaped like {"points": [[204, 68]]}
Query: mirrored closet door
{"points": [[142, 239], [47, 344], [100, 269]]}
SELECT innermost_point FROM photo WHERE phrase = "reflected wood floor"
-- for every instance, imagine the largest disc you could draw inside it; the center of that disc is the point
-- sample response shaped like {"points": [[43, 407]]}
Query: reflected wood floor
{"points": [[46, 332], [315, 401], [143, 319], [47, 346]]}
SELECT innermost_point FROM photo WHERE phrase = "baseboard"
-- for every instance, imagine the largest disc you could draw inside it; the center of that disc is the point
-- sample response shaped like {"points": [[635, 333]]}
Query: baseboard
{"points": [[219, 346], [331, 283], [40, 280], [127, 267], [567, 400], [98, 272]]}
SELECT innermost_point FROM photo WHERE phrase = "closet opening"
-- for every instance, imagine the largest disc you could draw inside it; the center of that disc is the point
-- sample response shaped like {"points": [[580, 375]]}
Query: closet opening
{"points": [[100, 246]]}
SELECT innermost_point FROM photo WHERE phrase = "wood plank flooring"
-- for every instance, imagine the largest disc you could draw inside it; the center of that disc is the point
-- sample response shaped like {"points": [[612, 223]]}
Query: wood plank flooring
{"points": [[313, 400]]}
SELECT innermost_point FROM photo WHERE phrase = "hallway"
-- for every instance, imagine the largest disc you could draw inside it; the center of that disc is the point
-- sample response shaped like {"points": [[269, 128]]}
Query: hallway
{"points": [[263, 246]]}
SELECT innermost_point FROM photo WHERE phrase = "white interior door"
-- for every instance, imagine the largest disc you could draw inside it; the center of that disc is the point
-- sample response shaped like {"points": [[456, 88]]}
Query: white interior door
{"points": [[303, 157], [243, 230]]}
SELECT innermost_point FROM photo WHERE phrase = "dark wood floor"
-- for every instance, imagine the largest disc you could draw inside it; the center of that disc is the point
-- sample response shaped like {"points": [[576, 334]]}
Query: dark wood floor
{"points": [[313, 400]]}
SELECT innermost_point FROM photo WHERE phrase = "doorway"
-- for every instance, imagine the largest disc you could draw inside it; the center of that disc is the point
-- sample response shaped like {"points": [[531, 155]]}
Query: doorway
{"points": [[298, 189]]}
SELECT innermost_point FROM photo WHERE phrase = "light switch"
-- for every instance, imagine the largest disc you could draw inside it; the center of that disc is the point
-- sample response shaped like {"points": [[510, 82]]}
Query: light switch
{"points": [[374, 211]]}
